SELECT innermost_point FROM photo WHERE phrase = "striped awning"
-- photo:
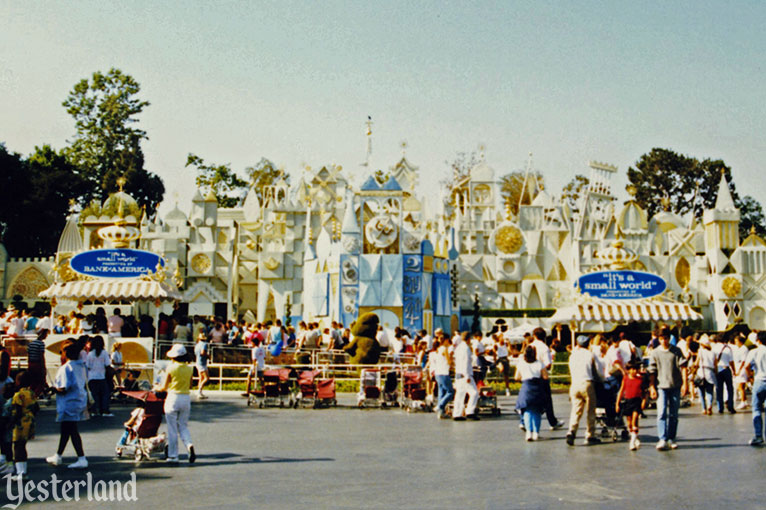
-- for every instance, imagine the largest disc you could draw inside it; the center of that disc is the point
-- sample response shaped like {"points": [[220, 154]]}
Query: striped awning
{"points": [[112, 289], [625, 311]]}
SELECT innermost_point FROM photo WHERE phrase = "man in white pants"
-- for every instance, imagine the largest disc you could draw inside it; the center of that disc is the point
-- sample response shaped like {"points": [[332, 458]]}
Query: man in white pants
{"points": [[464, 383]]}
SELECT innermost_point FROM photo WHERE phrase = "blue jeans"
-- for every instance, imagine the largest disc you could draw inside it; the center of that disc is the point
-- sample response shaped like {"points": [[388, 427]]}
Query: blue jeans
{"points": [[668, 402], [759, 398], [532, 419], [445, 391], [706, 394]]}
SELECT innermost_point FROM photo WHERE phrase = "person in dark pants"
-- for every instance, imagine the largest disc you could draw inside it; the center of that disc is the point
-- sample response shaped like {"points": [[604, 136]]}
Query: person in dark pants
{"points": [[545, 356], [724, 356]]}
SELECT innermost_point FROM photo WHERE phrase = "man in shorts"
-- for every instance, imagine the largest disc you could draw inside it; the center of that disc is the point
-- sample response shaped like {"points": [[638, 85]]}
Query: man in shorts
{"points": [[258, 357]]}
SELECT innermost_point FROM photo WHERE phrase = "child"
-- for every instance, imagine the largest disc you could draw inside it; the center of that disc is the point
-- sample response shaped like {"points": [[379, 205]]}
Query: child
{"points": [[117, 363], [131, 427], [23, 418], [631, 395], [6, 430]]}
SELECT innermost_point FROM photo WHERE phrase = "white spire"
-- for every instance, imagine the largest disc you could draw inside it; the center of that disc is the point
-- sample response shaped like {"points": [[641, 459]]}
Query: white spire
{"points": [[723, 201]]}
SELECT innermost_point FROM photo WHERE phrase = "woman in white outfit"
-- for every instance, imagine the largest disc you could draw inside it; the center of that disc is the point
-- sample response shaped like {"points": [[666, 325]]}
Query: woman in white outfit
{"points": [[177, 383]]}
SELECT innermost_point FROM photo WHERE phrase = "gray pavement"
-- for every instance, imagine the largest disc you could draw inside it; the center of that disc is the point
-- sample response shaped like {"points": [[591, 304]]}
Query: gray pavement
{"points": [[351, 458]]}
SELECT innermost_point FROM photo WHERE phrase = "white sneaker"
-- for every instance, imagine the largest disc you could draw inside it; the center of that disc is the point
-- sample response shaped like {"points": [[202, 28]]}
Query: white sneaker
{"points": [[535, 436], [632, 445], [529, 436], [742, 405], [662, 445], [672, 444], [172, 460], [81, 463], [54, 459]]}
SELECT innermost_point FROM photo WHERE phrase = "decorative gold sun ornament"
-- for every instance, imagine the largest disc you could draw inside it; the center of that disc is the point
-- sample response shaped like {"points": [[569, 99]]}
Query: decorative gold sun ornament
{"points": [[508, 239], [731, 286], [200, 263]]}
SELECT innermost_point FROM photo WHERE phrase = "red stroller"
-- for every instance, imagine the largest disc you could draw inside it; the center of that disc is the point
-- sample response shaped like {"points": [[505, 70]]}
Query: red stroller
{"points": [[277, 390], [145, 438], [315, 392], [413, 392]]}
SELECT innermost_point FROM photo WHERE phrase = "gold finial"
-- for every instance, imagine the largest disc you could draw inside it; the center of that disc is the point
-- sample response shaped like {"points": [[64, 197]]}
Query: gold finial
{"points": [[752, 230], [403, 144], [632, 190], [665, 201], [121, 183], [482, 149]]}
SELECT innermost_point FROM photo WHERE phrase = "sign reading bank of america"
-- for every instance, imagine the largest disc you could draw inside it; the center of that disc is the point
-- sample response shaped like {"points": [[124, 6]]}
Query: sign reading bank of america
{"points": [[116, 263], [621, 284]]}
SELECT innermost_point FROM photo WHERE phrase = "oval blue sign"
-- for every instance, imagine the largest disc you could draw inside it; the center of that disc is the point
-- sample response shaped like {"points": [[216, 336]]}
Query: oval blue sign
{"points": [[116, 263], [621, 284]]}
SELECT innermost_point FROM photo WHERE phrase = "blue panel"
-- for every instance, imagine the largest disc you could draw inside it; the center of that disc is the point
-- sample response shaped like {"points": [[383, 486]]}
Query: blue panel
{"points": [[369, 267], [412, 288], [320, 295], [369, 294], [426, 248]]}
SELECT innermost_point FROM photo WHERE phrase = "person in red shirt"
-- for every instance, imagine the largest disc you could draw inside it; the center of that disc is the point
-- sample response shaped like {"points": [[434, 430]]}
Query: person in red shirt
{"points": [[630, 398]]}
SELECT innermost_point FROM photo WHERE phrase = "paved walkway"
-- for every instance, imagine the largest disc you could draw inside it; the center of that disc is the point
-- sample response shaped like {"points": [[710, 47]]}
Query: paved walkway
{"points": [[350, 458]]}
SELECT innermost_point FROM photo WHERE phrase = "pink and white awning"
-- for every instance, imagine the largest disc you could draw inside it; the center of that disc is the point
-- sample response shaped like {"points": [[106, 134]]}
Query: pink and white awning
{"points": [[625, 311], [112, 289]]}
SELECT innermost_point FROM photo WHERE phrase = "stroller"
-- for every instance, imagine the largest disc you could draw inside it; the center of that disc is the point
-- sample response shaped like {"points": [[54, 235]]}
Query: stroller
{"points": [[606, 417], [369, 388], [413, 392], [277, 389], [390, 389], [314, 392], [146, 422]]}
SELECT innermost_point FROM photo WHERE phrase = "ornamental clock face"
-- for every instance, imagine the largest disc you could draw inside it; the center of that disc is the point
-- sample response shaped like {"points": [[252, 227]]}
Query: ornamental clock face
{"points": [[508, 239], [380, 231]]}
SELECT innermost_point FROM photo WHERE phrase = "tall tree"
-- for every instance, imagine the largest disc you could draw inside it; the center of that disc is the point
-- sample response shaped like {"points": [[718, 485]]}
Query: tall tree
{"points": [[228, 187], [690, 186], [107, 143], [519, 188], [264, 173], [573, 191], [32, 219]]}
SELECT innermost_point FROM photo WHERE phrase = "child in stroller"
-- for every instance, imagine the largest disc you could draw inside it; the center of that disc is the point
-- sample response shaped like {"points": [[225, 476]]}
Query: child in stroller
{"points": [[140, 438]]}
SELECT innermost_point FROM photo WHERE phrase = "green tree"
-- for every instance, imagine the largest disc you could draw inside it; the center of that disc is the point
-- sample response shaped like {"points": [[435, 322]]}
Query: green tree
{"points": [[32, 218], [512, 184], [107, 143], [228, 187], [688, 185], [573, 191], [264, 173]]}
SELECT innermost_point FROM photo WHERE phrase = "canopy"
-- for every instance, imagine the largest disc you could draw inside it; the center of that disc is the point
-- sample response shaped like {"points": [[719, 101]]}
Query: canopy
{"points": [[622, 311], [112, 289]]}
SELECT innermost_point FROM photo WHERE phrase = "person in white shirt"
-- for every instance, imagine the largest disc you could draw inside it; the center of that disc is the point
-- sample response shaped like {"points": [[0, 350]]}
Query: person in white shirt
{"points": [[383, 339], [464, 383], [582, 391], [705, 374], [740, 374], [501, 360], [439, 361], [545, 357], [725, 367], [428, 339], [755, 364], [114, 324]]}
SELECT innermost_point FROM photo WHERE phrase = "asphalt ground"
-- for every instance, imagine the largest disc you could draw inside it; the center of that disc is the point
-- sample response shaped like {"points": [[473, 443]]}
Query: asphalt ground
{"points": [[386, 458]]}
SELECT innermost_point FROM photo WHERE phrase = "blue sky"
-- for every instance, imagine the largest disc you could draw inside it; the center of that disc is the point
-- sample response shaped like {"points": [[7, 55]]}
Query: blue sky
{"points": [[295, 81]]}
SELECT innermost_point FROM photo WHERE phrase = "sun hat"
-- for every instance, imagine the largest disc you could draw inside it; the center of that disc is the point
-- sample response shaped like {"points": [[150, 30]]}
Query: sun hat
{"points": [[582, 340], [176, 351], [704, 340]]}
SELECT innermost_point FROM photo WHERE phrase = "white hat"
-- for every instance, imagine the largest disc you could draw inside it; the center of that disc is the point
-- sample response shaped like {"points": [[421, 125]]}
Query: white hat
{"points": [[704, 340], [176, 351]]}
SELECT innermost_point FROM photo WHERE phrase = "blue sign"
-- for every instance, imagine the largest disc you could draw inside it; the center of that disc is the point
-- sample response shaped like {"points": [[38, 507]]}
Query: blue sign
{"points": [[621, 284], [116, 263]]}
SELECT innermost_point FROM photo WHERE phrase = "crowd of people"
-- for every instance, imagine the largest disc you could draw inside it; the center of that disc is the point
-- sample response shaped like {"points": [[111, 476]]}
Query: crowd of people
{"points": [[610, 371]]}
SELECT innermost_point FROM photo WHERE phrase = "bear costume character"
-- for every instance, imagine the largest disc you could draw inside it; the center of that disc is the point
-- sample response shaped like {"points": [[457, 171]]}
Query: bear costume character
{"points": [[364, 349]]}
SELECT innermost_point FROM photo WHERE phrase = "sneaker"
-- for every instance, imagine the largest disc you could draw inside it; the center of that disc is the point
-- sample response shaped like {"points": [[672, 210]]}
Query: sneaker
{"points": [[522, 427], [672, 445], [54, 459], [557, 425], [192, 455], [570, 439], [201, 396], [742, 405], [535, 436], [474, 417], [589, 441], [172, 460], [756, 441], [529, 436], [732, 411], [81, 463], [638, 443], [632, 445], [662, 445], [439, 414], [458, 418]]}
